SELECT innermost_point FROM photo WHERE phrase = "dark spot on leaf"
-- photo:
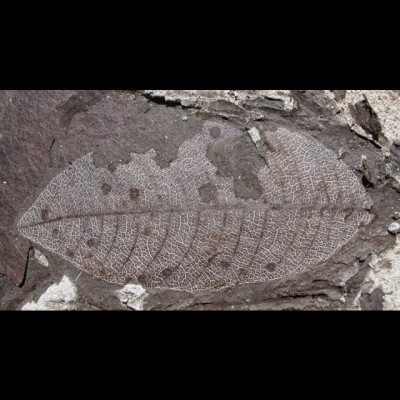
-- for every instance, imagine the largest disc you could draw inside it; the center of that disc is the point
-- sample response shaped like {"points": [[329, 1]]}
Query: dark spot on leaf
{"points": [[242, 273], [105, 188], [348, 213], [134, 193], [142, 279], [167, 272], [44, 214], [224, 264], [215, 132], [69, 253], [112, 167], [55, 232], [147, 231], [208, 192], [91, 242], [270, 267]]}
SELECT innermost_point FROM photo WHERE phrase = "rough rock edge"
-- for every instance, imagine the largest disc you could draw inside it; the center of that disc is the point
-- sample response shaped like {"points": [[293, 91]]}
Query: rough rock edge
{"points": [[384, 274], [204, 98], [386, 105], [384, 269]]}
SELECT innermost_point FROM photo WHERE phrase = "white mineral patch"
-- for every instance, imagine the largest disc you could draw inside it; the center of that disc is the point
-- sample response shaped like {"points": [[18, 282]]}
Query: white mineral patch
{"points": [[61, 296], [289, 103], [41, 258], [133, 296], [394, 228], [368, 203], [254, 134]]}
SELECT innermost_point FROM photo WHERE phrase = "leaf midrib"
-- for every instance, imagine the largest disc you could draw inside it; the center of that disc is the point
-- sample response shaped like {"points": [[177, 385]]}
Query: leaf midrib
{"points": [[262, 207]]}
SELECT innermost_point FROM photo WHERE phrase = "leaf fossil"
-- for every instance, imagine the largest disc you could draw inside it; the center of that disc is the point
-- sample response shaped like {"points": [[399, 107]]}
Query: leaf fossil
{"points": [[184, 227]]}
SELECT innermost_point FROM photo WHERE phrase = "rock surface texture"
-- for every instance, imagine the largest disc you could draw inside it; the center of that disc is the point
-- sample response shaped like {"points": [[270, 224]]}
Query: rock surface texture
{"points": [[200, 200]]}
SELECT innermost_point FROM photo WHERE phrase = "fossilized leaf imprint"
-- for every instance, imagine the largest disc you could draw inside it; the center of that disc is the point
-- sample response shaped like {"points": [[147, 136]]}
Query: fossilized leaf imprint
{"points": [[185, 227]]}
